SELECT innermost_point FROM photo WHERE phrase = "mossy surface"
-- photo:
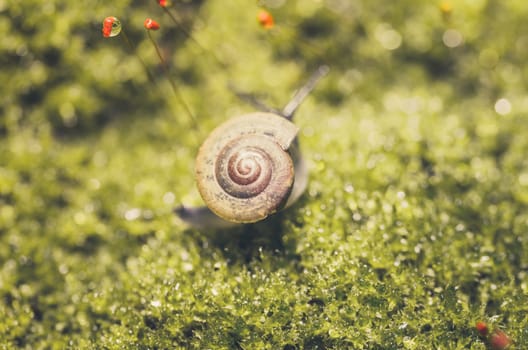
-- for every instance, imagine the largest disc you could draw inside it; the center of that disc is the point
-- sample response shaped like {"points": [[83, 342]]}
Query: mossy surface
{"points": [[414, 225]]}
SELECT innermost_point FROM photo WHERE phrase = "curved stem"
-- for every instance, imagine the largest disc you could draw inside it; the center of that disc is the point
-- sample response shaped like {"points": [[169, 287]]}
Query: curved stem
{"points": [[133, 50], [172, 83], [188, 34]]}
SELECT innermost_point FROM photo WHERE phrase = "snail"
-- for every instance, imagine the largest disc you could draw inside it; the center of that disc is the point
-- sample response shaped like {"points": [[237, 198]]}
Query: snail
{"points": [[250, 166]]}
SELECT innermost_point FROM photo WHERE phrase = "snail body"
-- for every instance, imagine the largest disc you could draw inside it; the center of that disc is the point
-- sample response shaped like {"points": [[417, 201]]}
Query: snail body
{"points": [[250, 167]]}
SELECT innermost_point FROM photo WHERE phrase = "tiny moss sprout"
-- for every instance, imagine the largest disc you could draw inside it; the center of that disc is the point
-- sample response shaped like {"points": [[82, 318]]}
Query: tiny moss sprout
{"points": [[265, 19], [111, 27], [151, 24], [499, 340], [482, 328]]}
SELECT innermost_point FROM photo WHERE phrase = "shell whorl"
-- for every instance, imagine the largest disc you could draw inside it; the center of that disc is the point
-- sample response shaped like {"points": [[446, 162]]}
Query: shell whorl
{"points": [[244, 170]]}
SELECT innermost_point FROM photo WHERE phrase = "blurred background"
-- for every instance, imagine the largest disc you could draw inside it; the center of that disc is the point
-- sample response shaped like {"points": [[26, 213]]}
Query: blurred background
{"points": [[415, 141], [56, 67]]}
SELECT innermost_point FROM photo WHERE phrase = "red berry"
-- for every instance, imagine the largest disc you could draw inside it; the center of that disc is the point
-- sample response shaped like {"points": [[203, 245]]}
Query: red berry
{"points": [[265, 19], [163, 3], [482, 328], [499, 340], [151, 24]]}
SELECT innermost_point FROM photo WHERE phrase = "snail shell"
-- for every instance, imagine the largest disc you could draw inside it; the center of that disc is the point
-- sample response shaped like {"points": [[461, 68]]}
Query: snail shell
{"points": [[244, 169]]}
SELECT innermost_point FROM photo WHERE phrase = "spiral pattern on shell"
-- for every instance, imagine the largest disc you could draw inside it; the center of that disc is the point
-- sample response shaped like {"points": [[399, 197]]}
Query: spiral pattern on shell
{"points": [[244, 171]]}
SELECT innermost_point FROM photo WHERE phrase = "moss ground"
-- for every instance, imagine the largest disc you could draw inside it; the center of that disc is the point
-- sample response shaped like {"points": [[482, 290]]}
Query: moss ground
{"points": [[414, 225]]}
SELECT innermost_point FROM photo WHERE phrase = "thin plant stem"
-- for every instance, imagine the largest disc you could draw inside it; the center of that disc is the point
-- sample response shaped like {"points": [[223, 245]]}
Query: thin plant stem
{"points": [[133, 50], [175, 89], [189, 35]]}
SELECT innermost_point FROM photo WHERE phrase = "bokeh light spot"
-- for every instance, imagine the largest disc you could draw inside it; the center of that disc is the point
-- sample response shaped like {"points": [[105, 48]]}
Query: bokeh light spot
{"points": [[503, 106], [452, 38], [389, 38]]}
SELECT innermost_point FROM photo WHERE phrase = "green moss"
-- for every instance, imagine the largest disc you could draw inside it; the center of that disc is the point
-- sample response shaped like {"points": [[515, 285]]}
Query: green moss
{"points": [[413, 226]]}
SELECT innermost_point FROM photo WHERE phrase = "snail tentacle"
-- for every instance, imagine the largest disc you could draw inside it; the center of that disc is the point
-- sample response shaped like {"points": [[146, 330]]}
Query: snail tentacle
{"points": [[289, 110]]}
